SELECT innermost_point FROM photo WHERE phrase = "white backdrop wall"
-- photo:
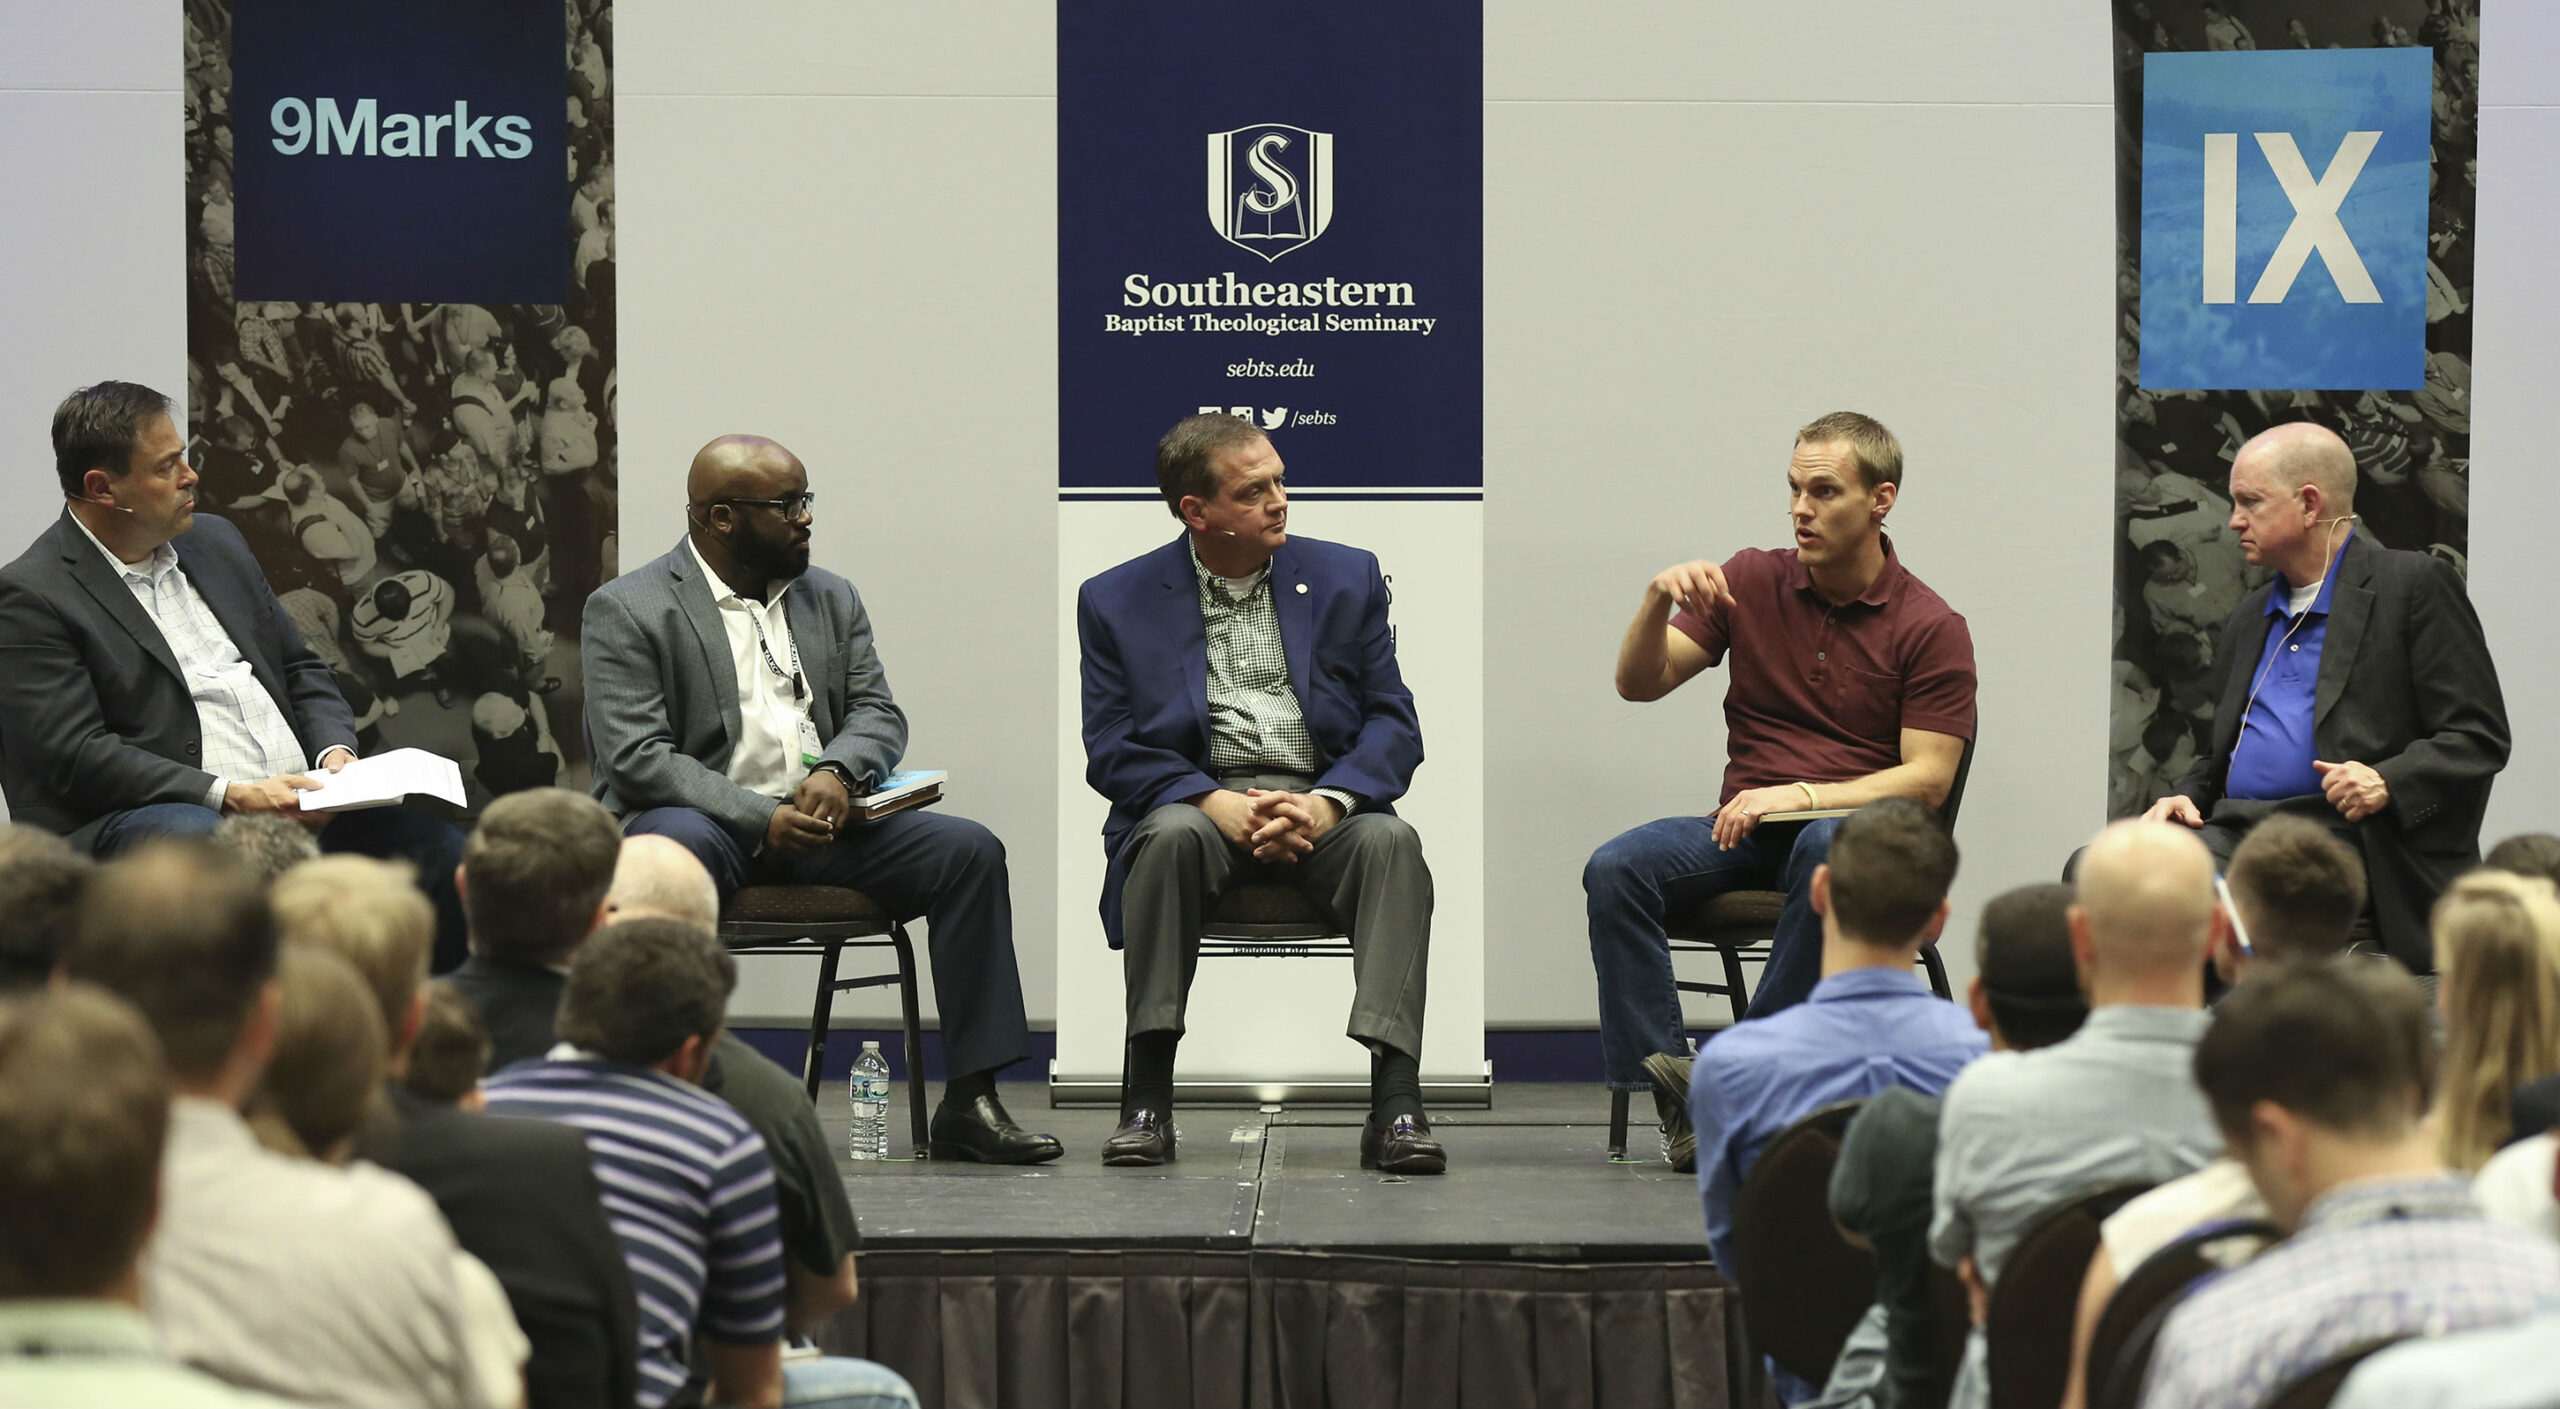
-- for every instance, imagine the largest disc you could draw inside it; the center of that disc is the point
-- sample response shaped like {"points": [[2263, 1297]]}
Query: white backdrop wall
{"points": [[1704, 225]]}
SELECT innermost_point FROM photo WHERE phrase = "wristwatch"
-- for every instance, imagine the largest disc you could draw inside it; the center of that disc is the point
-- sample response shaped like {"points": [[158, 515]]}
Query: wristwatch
{"points": [[843, 774]]}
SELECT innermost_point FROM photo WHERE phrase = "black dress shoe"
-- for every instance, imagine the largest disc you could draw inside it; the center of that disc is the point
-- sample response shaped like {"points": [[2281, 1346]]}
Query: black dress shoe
{"points": [[982, 1131], [1401, 1146], [1145, 1137]]}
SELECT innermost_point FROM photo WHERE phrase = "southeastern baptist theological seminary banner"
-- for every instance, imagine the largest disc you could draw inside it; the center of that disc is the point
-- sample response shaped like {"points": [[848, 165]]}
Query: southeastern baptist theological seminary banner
{"points": [[1278, 213]]}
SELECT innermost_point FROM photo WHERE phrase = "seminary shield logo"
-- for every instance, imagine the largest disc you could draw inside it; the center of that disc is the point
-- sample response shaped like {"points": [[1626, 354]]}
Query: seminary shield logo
{"points": [[2284, 219], [1270, 187]]}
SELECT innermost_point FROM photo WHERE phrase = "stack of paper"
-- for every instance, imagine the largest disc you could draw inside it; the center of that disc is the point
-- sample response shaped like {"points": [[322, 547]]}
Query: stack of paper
{"points": [[385, 780]]}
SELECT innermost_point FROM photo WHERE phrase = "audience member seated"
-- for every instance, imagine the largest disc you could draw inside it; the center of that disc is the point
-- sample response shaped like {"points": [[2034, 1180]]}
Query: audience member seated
{"points": [[688, 1183], [534, 877], [661, 879], [267, 843], [2511, 1367], [451, 1053], [332, 1286], [2532, 854], [2296, 891], [2520, 1187], [2025, 994], [2318, 1076], [2497, 940], [325, 1077], [2535, 854], [519, 1194], [1870, 1022], [84, 1114], [41, 878], [2022, 1132]]}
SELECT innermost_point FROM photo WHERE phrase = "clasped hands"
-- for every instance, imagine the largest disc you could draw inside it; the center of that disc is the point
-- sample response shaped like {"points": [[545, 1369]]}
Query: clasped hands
{"points": [[2355, 789], [1276, 826], [818, 807], [282, 794]]}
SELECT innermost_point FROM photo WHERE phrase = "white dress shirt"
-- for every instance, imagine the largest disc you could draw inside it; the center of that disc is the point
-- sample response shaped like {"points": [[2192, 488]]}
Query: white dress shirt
{"points": [[246, 736], [765, 758]]}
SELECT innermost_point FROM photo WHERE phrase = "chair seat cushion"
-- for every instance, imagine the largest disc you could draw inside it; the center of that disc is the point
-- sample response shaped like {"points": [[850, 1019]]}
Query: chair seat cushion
{"points": [[1733, 910], [1265, 903], [803, 905]]}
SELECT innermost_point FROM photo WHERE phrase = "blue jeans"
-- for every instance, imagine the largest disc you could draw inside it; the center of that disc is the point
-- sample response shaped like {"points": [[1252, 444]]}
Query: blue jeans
{"points": [[842, 1382], [1635, 883], [388, 833]]}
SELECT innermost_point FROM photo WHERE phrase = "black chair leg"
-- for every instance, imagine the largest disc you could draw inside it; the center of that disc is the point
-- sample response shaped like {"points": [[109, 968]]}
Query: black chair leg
{"points": [[1737, 988], [914, 1035], [1937, 969], [814, 1068], [1617, 1125]]}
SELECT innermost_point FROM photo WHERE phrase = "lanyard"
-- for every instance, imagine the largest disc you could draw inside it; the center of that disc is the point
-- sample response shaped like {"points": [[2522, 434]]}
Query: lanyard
{"points": [[799, 691]]}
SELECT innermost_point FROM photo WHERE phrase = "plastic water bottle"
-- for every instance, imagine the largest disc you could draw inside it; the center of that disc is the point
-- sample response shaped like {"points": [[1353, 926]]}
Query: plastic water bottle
{"points": [[870, 1091]]}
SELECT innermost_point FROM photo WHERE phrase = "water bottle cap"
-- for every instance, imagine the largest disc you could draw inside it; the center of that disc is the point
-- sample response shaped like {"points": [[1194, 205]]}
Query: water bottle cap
{"points": [[871, 1046]]}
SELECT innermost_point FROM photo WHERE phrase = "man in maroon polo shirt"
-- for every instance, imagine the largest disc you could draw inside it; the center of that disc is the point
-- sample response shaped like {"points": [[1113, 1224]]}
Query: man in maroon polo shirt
{"points": [[1851, 681]]}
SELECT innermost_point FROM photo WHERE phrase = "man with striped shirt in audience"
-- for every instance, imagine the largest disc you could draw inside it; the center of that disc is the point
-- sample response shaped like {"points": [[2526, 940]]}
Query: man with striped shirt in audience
{"points": [[687, 1182]]}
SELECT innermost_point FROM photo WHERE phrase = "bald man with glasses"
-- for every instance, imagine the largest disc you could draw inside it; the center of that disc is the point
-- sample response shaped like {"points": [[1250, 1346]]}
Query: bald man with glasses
{"points": [[736, 706]]}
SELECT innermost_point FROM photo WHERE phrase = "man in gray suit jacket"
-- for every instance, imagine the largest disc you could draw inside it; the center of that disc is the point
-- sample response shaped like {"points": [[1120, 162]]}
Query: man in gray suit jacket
{"points": [[150, 683], [736, 705]]}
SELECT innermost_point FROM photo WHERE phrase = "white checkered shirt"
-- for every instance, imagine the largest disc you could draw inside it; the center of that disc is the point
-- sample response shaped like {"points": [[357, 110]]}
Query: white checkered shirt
{"points": [[2374, 1259], [246, 737], [1254, 721]]}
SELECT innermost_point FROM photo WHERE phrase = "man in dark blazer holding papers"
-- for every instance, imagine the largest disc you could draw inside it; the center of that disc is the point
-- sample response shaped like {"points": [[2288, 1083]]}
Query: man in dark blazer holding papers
{"points": [[736, 705], [1245, 717], [150, 683]]}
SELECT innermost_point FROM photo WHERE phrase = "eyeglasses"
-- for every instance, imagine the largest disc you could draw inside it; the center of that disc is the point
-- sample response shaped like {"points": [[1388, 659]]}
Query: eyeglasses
{"points": [[801, 505]]}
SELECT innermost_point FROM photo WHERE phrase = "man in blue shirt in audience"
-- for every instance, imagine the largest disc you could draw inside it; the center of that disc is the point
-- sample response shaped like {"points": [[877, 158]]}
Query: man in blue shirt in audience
{"points": [[1869, 1024]]}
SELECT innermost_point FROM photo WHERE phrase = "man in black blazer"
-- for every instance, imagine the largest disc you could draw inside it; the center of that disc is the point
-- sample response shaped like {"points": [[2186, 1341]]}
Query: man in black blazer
{"points": [[524, 1200], [2356, 688], [150, 682]]}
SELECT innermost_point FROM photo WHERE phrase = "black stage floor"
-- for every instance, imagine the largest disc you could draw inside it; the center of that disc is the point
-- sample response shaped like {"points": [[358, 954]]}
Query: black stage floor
{"points": [[1529, 1180]]}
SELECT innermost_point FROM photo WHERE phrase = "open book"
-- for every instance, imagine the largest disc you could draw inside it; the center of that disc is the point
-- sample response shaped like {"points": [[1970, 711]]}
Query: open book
{"points": [[908, 787]]}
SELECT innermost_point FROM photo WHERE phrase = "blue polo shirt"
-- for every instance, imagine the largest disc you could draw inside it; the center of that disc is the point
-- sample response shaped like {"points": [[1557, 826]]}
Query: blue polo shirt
{"points": [[2272, 757]]}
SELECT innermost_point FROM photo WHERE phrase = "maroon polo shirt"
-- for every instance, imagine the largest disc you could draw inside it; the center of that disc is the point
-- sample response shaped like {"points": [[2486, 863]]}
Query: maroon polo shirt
{"points": [[1821, 694]]}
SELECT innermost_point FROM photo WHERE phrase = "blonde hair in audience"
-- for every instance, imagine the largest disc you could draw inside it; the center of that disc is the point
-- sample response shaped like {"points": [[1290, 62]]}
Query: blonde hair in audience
{"points": [[330, 1051], [2497, 940], [368, 913]]}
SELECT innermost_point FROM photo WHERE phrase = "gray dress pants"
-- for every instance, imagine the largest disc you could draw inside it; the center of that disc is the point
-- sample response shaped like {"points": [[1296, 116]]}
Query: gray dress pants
{"points": [[1367, 874]]}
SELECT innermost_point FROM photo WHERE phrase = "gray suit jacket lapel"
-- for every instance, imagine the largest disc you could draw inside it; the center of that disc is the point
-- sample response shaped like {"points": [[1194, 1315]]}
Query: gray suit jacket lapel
{"points": [[89, 568], [818, 665], [702, 613]]}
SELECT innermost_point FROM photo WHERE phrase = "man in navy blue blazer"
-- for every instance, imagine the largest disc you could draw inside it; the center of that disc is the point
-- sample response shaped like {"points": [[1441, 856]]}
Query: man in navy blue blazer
{"points": [[1245, 717]]}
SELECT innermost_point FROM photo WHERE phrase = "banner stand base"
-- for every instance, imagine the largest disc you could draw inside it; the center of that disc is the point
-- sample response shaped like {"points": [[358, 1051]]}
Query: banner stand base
{"points": [[1105, 1091]]}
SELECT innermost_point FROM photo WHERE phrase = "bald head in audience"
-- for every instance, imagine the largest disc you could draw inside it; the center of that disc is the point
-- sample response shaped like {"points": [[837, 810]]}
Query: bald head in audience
{"points": [[657, 879], [2146, 916]]}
